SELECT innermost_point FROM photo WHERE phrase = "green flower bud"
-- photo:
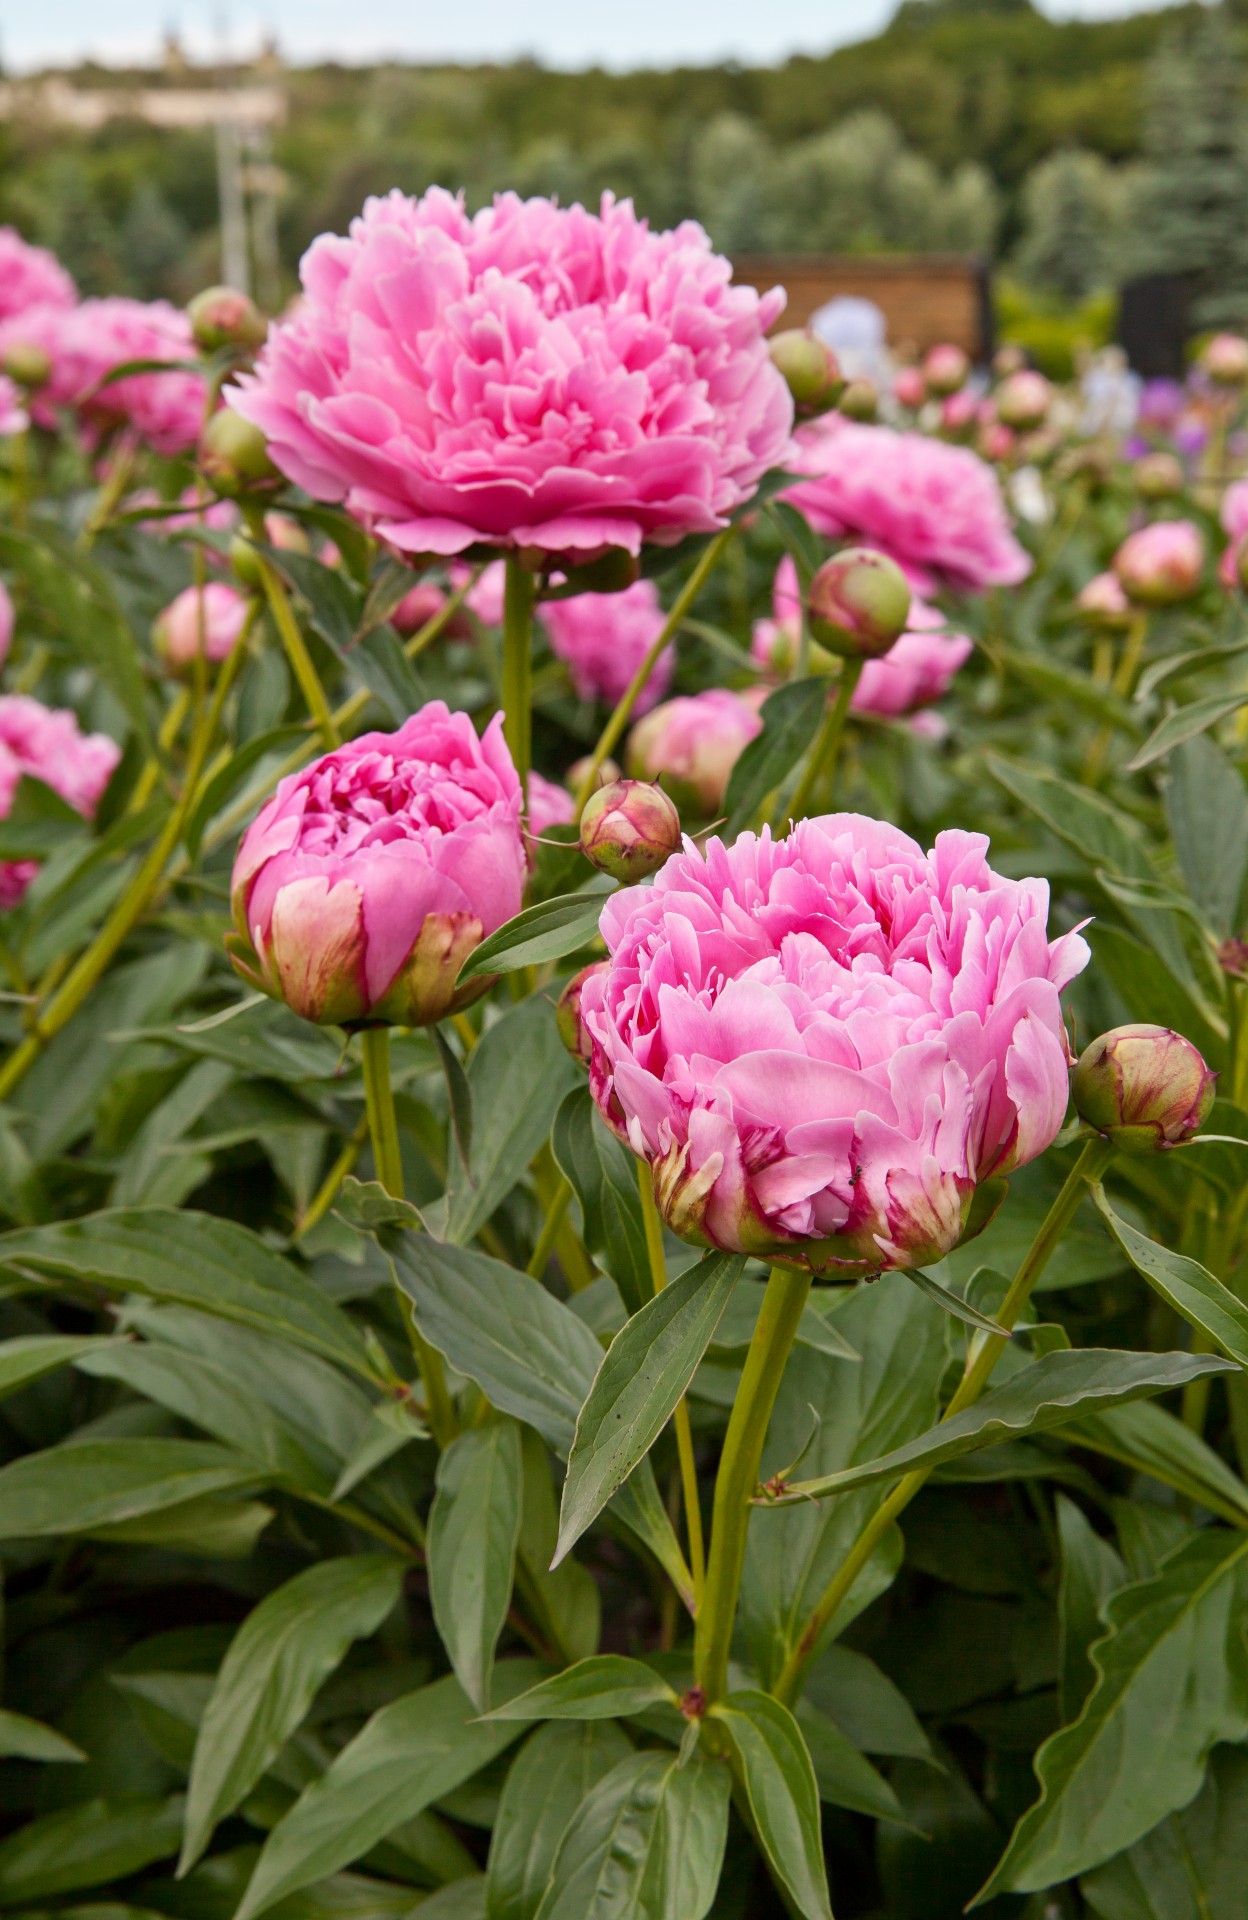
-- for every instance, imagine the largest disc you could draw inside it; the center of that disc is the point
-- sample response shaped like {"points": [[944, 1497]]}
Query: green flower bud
{"points": [[1143, 1087], [859, 604], [810, 370], [233, 457], [222, 317], [629, 829]]}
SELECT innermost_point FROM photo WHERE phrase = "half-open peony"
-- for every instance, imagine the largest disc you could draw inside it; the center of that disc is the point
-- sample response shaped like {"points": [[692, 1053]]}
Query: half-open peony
{"points": [[48, 744], [604, 637], [937, 509], [362, 886], [824, 1045], [30, 276], [83, 345], [531, 375]]}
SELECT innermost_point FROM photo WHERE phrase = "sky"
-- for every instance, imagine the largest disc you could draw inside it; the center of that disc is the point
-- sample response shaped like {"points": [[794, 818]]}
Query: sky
{"points": [[566, 33]]}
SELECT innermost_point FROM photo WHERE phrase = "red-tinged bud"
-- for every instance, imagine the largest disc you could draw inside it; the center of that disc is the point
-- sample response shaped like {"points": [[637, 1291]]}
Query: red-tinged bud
{"points": [[1103, 605], [909, 388], [859, 604], [860, 400], [945, 368], [1161, 564], [26, 365], [223, 317], [233, 457], [629, 830], [1225, 359], [1158, 476], [1024, 400], [1144, 1087], [810, 370], [606, 773], [568, 1013]]}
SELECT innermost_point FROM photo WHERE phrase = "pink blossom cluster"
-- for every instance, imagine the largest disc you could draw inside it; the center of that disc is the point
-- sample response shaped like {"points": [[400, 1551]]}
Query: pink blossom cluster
{"points": [[530, 375], [823, 1044], [83, 345], [30, 277], [604, 637], [49, 745]]}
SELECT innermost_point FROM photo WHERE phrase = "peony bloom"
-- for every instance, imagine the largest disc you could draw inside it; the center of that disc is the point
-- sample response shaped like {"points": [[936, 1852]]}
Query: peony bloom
{"points": [[362, 886], [30, 277], [693, 743], [6, 623], [13, 415], [84, 343], [549, 805], [936, 509], [1102, 603], [530, 376], [49, 745], [210, 620], [604, 637], [1161, 563], [824, 1044]]}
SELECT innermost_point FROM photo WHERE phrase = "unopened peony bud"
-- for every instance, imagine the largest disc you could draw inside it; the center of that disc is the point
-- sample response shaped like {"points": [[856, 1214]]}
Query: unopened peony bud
{"points": [[1102, 604], [1007, 360], [909, 388], [996, 440], [233, 456], [693, 743], [222, 317], [206, 619], [810, 370], [958, 413], [26, 365], [860, 400], [629, 829], [945, 369], [1225, 359], [1143, 1087], [859, 604], [1024, 399], [286, 534], [568, 1014], [1161, 564], [1158, 476]]}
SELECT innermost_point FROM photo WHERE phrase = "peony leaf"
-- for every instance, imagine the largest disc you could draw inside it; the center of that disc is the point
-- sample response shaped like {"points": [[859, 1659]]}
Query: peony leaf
{"points": [[554, 1771], [83, 1485], [474, 1528], [783, 1794], [548, 931], [646, 1843], [1185, 724], [790, 718], [607, 1686], [1188, 1287]]}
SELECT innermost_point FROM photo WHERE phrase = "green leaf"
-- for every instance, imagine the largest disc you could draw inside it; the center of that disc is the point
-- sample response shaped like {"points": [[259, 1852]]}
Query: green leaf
{"points": [[78, 597], [1091, 1571], [228, 779], [552, 1774], [1050, 1392], [864, 1703], [548, 931], [1067, 687], [1173, 1680], [790, 718], [1184, 724], [24, 1739], [1192, 1867], [646, 1843], [643, 1375], [459, 1095], [32, 1355], [605, 1687], [1152, 1441], [407, 1756], [1188, 1287], [198, 1259], [953, 1304], [85, 1846], [603, 1175], [474, 1527], [284, 1650], [845, 1777], [1207, 808], [77, 1487], [783, 1795]]}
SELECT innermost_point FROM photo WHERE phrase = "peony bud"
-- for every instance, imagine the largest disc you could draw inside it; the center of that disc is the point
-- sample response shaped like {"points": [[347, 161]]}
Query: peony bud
{"points": [[909, 388], [996, 440], [1161, 564], [208, 619], [1225, 359], [860, 400], [1023, 399], [1157, 476], [233, 456], [568, 1020], [222, 317], [693, 743], [286, 534], [859, 604], [1007, 360], [245, 563], [809, 369], [26, 365], [1143, 1087], [958, 413], [629, 829], [945, 369], [1103, 605]]}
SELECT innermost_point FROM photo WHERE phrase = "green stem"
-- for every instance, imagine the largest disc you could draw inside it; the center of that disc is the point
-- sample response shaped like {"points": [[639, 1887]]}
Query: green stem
{"points": [[327, 1192], [297, 653], [555, 1210], [518, 598], [821, 766], [982, 1356], [680, 1419], [115, 482], [737, 1478], [608, 739], [1121, 683]]}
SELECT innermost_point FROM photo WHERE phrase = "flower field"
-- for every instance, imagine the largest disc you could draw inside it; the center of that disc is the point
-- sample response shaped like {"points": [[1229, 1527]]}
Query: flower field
{"points": [[623, 1103]]}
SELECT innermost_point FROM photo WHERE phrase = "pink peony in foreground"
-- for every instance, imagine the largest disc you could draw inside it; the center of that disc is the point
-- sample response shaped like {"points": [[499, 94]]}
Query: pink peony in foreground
{"points": [[604, 637], [362, 886], [49, 745], [937, 509], [85, 343], [824, 1044], [529, 376], [30, 276]]}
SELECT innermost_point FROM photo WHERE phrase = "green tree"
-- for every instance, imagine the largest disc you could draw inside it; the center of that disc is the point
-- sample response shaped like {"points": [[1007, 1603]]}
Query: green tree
{"points": [[152, 245], [1069, 203]]}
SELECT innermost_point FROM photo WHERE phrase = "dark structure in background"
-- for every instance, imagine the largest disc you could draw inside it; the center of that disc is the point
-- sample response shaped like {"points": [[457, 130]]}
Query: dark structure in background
{"points": [[925, 297], [1154, 322]]}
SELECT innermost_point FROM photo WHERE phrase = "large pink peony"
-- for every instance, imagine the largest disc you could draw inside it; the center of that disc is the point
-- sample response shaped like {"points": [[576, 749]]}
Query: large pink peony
{"points": [[85, 343], [49, 745], [937, 509], [604, 637], [31, 276], [362, 886], [531, 376], [823, 1044]]}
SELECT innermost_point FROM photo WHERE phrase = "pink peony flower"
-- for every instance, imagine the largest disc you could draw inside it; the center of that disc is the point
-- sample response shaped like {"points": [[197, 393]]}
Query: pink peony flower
{"points": [[604, 638], [84, 343], [6, 623], [937, 509], [693, 743], [1162, 563], [211, 621], [13, 415], [1102, 602], [531, 376], [824, 1044], [49, 745], [549, 805], [30, 277], [485, 599], [362, 886]]}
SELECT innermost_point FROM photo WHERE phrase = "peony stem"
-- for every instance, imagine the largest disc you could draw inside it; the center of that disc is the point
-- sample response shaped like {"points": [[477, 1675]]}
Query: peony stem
{"points": [[116, 480], [982, 1355], [518, 598], [680, 1419], [737, 1478], [609, 738], [545, 1243], [297, 653], [821, 766], [1121, 683], [327, 1192]]}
